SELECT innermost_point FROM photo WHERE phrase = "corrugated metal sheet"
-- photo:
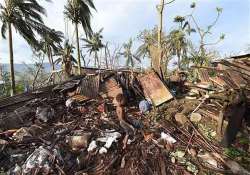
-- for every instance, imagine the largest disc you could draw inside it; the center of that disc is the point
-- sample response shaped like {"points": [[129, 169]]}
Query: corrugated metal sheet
{"points": [[89, 86], [12, 103], [154, 89]]}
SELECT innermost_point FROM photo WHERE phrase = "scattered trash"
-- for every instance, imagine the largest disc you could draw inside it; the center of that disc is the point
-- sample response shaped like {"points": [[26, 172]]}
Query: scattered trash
{"points": [[78, 142], [45, 113], [20, 134], [144, 106], [103, 150], [167, 138], [80, 127], [41, 160], [92, 146]]}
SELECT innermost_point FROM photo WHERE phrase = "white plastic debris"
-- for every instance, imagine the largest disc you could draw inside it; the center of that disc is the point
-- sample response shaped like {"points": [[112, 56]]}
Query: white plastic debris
{"points": [[103, 150], [92, 146], [109, 142], [109, 138], [69, 103], [167, 138]]}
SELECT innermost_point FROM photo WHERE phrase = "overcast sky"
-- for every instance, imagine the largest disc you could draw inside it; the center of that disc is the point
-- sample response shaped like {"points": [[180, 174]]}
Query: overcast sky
{"points": [[122, 19]]}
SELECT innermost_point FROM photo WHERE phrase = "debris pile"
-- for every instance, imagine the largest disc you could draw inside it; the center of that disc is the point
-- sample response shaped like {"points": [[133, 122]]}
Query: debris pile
{"points": [[124, 122]]}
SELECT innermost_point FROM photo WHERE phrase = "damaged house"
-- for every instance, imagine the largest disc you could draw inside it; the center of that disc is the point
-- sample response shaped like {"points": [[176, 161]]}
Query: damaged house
{"points": [[129, 122]]}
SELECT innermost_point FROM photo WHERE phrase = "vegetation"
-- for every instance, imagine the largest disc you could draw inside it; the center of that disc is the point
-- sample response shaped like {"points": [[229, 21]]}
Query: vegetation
{"points": [[94, 44], [200, 55], [128, 55], [66, 58], [78, 11], [50, 45], [26, 17]]}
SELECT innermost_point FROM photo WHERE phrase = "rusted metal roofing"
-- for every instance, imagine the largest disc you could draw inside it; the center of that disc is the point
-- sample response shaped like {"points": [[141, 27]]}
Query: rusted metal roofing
{"points": [[89, 86], [12, 103], [154, 89]]}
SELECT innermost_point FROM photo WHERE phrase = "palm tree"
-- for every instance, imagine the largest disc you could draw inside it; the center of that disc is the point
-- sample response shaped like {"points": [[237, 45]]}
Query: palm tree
{"points": [[66, 58], [49, 44], [178, 44], [78, 11], [26, 17], [94, 44], [127, 53]]}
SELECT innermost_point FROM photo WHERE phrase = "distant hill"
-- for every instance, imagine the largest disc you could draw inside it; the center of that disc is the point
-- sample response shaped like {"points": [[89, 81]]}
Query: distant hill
{"points": [[22, 67]]}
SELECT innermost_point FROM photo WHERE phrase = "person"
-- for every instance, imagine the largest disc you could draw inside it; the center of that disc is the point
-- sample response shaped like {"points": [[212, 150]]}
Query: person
{"points": [[120, 111]]}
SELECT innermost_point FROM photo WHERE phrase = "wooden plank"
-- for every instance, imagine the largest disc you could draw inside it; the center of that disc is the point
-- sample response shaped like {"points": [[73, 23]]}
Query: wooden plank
{"points": [[154, 89]]}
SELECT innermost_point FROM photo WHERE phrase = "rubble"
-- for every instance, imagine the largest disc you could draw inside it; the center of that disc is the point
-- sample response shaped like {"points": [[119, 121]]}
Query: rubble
{"points": [[81, 127]]}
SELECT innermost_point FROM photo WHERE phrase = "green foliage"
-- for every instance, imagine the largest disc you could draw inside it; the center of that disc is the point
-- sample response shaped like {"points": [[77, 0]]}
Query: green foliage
{"points": [[147, 38], [193, 5], [219, 10], [94, 44], [5, 89], [179, 19], [127, 53], [65, 57], [26, 17], [50, 43], [233, 152], [198, 54], [178, 44], [79, 12]]}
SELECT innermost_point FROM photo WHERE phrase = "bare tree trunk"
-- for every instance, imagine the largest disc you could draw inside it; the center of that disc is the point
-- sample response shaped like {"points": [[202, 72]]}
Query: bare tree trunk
{"points": [[12, 71], [78, 49], [106, 56], [160, 10], [52, 65], [97, 60], [179, 62], [37, 73]]}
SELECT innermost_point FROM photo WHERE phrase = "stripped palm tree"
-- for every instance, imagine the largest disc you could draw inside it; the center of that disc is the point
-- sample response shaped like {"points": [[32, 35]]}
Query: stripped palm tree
{"points": [[94, 44], [78, 11], [26, 17], [66, 58], [127, 53]]}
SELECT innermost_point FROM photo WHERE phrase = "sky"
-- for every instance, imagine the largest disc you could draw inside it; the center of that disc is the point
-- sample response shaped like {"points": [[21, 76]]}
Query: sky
{"points": [[123, 19]]}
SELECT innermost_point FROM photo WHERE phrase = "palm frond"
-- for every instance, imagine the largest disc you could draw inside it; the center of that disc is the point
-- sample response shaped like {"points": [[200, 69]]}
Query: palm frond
{"points": [[79, 12]]}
